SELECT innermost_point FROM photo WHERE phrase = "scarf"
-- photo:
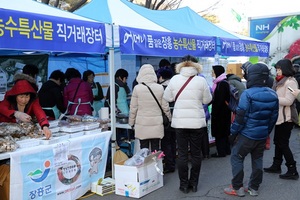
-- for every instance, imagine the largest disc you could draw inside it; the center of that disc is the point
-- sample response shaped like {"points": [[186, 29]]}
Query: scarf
{"points": [[217, 80]]}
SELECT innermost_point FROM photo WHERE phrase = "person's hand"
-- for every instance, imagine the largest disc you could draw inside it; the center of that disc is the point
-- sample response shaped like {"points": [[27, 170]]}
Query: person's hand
{"points": [[47, 132], [296, 92], [22, 116]]}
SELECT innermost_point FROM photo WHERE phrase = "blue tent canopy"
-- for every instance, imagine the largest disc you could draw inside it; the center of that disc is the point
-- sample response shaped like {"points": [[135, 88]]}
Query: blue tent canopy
{"points": [[180, 21]]}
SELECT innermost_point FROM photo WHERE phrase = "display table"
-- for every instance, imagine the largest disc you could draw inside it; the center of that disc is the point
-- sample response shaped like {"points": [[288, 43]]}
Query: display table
{"points": [[62, 170]]}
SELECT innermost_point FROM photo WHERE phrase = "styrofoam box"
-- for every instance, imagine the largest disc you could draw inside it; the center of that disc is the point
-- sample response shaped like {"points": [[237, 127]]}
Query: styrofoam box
{"points": [[91, 125], [52, 140], [61, 136], [72, 128], [137, 181], [94, 131], [55, 129], [53, 123], [77, 134], [28, 143]]}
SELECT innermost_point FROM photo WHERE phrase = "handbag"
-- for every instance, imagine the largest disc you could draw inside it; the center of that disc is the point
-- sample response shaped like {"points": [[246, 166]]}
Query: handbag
{"points": [[166, 121]]}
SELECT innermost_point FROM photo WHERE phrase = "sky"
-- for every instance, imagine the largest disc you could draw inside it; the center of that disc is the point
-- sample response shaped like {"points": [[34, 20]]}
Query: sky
{"points": [[245, 8]]}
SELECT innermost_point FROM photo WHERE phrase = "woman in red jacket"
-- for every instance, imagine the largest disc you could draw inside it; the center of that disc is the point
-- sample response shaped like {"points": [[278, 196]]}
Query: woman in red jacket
{"points": [[21, 104]]}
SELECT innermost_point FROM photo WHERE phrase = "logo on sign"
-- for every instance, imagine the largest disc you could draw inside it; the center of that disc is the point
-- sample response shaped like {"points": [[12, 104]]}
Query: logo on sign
{"points": [[262, 27], [39, 175], [70, 172]]}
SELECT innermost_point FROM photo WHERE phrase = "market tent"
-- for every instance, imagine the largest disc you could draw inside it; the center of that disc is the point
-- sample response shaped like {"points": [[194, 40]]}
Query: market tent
{"points": [[27, 25], [162, 24]]}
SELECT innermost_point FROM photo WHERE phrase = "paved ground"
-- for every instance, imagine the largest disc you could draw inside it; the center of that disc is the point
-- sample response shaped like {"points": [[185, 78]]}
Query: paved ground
{"points": [[216, 175]]}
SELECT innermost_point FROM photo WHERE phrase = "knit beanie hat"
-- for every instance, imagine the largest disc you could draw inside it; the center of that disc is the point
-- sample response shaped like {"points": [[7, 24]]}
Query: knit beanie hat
{"points": [[218, 70]]}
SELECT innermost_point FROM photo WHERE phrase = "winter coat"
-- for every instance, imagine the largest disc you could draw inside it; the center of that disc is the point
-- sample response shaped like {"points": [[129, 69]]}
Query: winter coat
{"points": [[84, 95], [236, 82], [257, 110], [145, 115], [286, 98], [50, 95], [220, 113], [188, 110], [8, 106]]}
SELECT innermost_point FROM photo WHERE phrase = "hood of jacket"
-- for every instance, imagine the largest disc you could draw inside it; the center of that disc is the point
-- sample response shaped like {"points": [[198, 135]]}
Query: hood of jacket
{"points": [[188, 68], [26, 77], [20, 87], [258, 75], [146, 74]]}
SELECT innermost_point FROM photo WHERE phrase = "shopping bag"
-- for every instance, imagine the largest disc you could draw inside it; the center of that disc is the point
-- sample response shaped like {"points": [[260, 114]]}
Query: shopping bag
{"points": [[119, 155]]}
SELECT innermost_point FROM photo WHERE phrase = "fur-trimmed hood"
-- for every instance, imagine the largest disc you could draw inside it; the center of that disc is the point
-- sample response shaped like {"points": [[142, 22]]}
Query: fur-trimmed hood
{"points": [[188, 68], [21, 76]]}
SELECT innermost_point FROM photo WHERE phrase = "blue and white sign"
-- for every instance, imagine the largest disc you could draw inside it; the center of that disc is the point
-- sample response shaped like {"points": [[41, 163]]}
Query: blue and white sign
{"points": [[232, 47], [145, 42], [28, 31]]}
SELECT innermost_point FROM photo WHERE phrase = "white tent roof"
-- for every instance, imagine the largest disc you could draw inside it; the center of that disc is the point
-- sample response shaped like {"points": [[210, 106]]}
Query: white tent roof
{"points": [[39, 8]]}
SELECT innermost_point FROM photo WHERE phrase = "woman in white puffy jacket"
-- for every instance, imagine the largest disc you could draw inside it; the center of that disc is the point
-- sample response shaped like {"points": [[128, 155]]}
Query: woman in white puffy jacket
{"points": [[188, 118], [144, 114]]}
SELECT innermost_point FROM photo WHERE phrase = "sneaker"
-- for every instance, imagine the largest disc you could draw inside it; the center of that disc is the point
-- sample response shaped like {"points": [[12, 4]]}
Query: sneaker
{"points": [[230, 191], [251, 191]]}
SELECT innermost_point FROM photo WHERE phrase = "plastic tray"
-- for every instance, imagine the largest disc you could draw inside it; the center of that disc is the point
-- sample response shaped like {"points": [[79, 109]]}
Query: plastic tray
{"points": [[94, 131], [28, 143]]}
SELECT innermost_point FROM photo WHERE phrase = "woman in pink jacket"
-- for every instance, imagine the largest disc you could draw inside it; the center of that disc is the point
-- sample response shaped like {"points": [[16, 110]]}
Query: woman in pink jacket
{"points": [[78, 95]]}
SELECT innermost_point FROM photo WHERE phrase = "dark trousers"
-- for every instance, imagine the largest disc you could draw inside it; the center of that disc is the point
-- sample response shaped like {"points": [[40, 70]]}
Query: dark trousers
{"points": [[222, 145], [282, 136], [168, 146], [205, 144], [153, 142], [189, 138], [240, 150]]}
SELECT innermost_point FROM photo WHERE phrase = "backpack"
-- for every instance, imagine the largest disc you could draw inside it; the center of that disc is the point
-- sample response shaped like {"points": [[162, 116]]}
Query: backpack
{"points": [[233, 99]]}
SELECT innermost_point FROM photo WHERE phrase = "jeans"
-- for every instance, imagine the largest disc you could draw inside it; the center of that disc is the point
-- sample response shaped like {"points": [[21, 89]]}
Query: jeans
{"points": [[240, 150]]}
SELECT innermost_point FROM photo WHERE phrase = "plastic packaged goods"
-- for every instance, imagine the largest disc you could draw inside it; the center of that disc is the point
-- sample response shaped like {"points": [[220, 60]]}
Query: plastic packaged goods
{"points": [[61, 136]]}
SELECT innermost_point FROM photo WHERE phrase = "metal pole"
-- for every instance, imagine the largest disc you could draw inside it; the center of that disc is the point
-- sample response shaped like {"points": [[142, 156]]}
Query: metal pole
{"points": [[112, 106]]}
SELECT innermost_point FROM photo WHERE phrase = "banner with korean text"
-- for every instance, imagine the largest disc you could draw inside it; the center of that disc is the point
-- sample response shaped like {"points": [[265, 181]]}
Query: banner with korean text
{"points": [[144, 42], [232, 47], [31, 31], [61, 171]]}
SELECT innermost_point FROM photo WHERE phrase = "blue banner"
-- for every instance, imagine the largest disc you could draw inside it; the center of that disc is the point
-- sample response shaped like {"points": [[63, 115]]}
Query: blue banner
{"points": [[29, 31], [261, 28], [155, 43], [233, 47]]}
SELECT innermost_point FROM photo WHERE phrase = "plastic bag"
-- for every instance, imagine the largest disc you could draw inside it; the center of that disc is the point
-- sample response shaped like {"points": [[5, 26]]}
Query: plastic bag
{"points": [[138, 158]]}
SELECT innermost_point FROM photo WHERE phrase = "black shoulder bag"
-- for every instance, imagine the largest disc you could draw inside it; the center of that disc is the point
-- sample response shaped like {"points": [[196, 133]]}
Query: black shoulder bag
{"points": [[166, 121]]}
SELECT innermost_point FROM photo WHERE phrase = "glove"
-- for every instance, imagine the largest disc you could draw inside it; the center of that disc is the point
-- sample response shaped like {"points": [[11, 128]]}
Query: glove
{"points": [[232, 138], [22, 116]]}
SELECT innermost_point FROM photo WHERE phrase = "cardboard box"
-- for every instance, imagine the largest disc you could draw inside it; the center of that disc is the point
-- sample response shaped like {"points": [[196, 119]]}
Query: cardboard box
{"points": [[235, 68], [137, 181]]}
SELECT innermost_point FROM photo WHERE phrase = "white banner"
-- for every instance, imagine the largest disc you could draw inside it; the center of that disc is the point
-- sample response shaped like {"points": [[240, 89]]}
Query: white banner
{"points": [[62, 171]]}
